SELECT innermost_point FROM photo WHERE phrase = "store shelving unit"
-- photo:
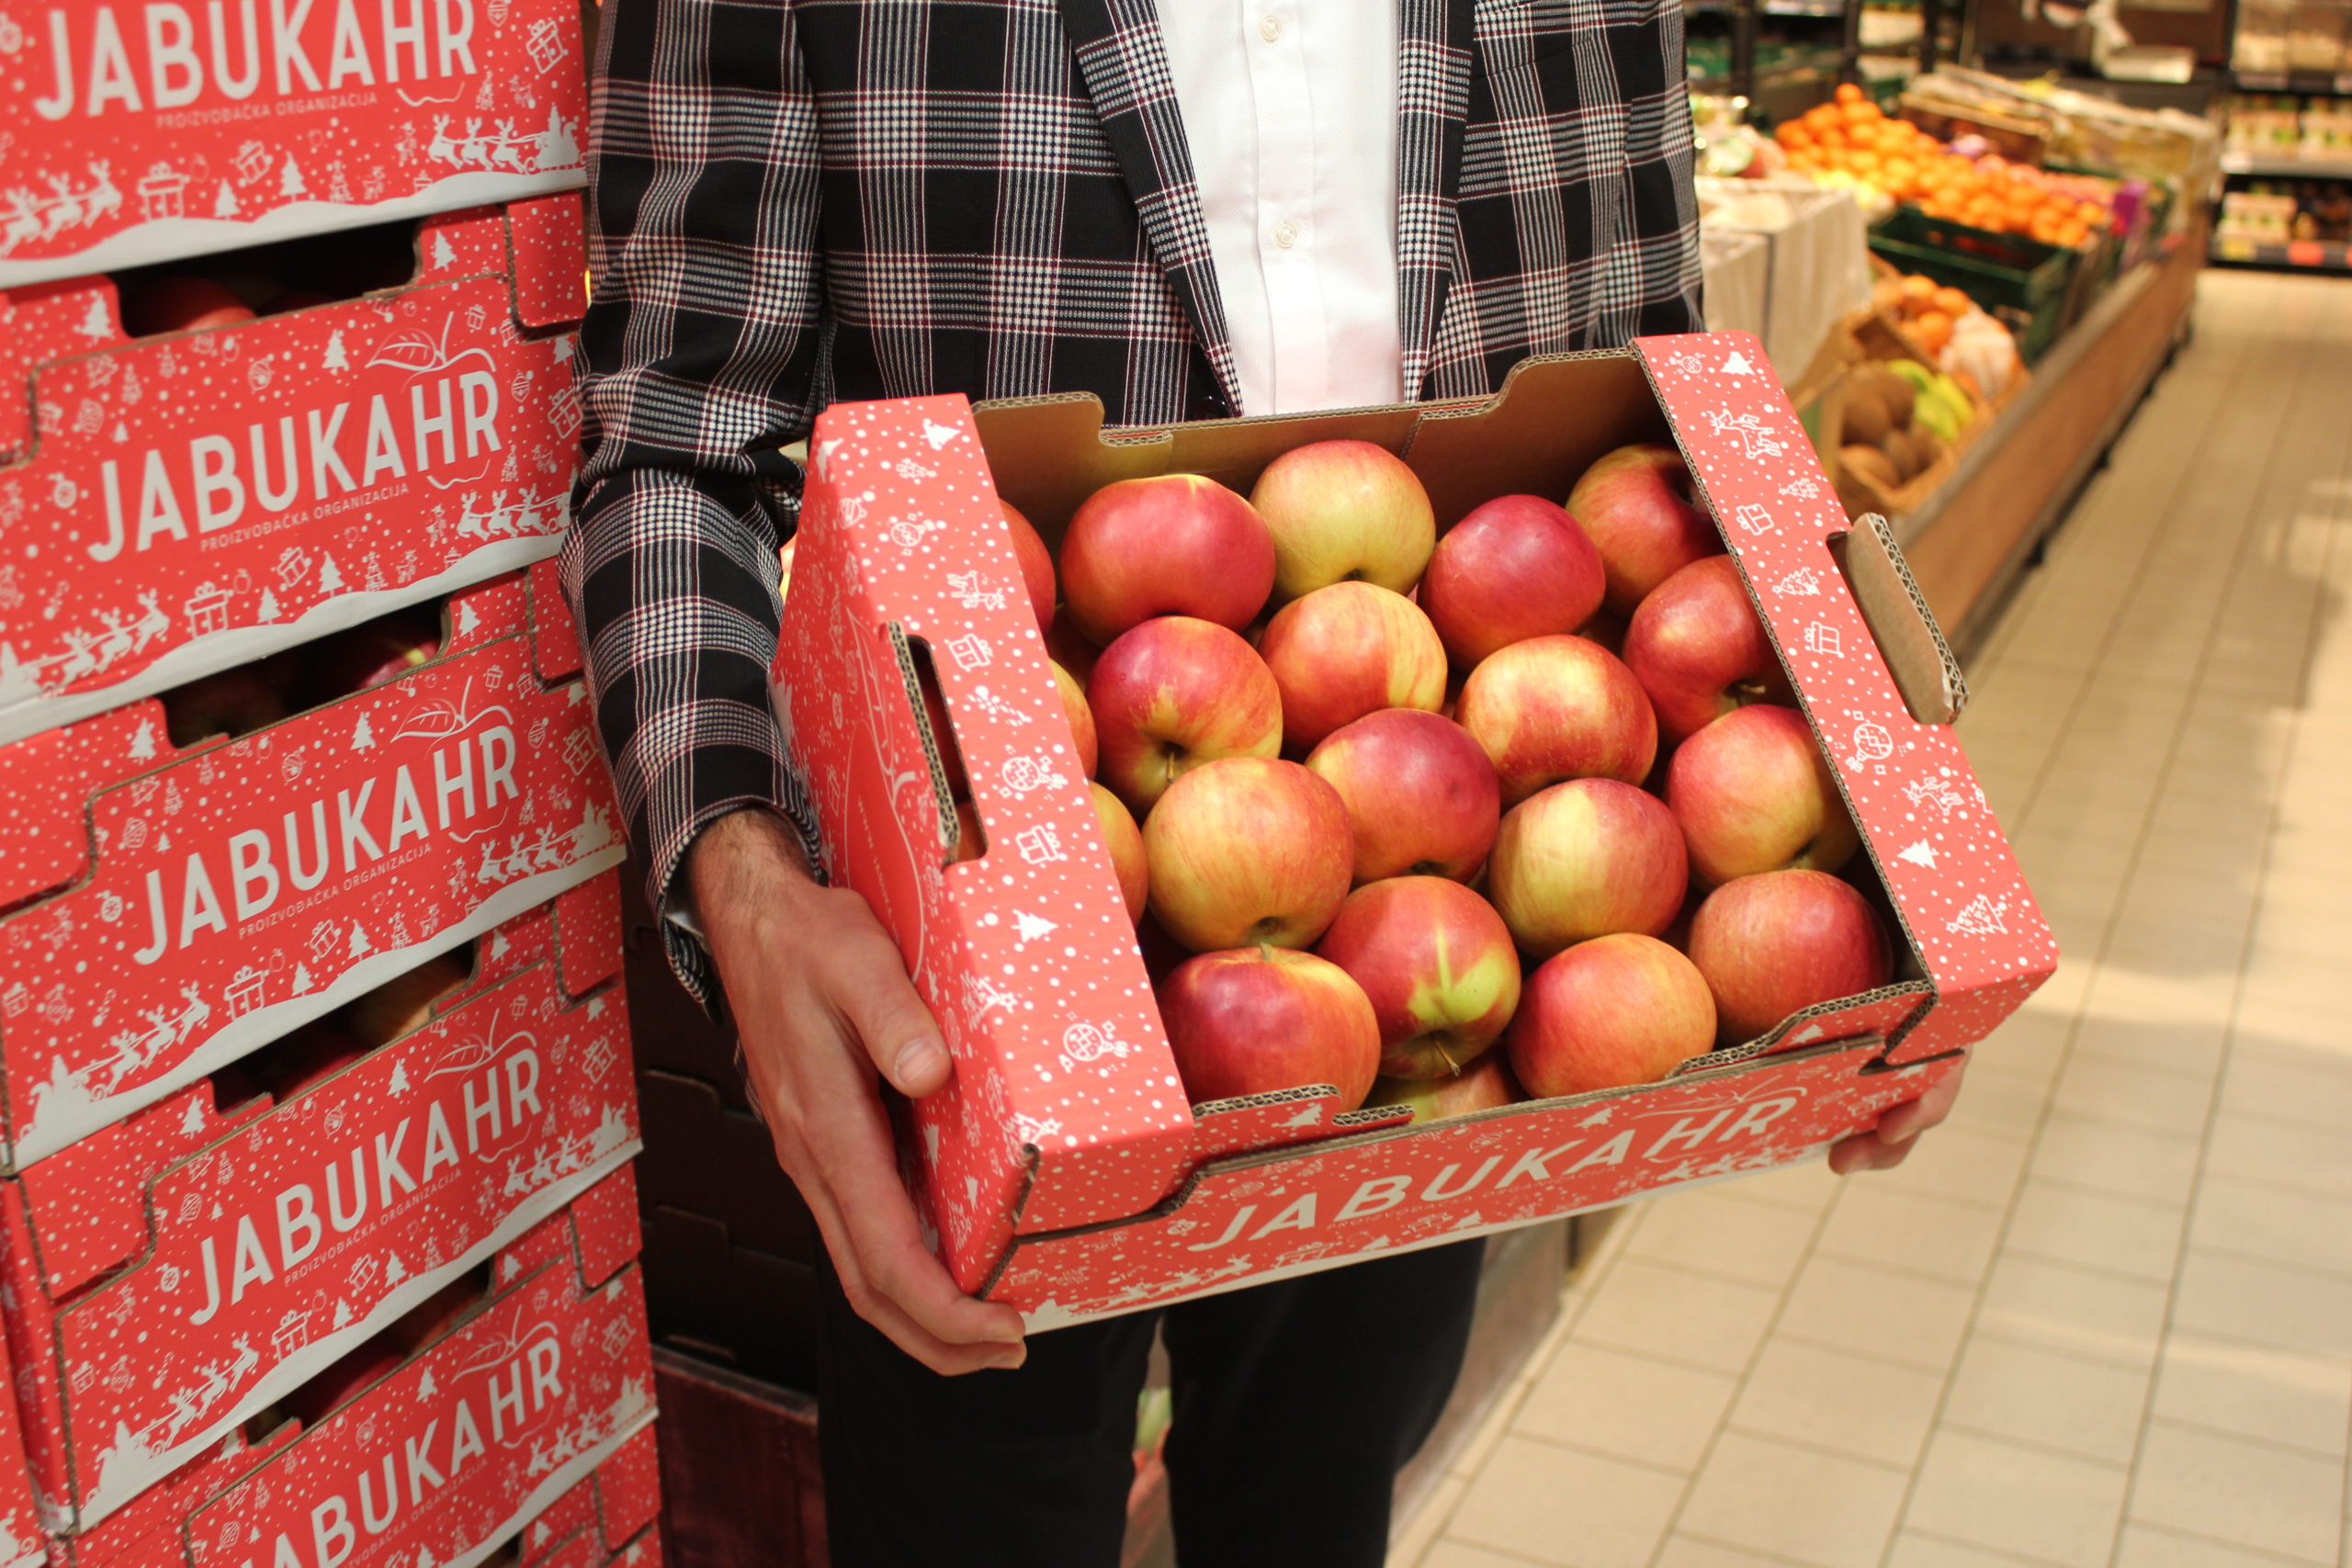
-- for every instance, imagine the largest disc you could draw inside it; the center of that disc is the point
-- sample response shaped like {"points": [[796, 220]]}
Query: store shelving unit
{"points": [[2294, 255]]}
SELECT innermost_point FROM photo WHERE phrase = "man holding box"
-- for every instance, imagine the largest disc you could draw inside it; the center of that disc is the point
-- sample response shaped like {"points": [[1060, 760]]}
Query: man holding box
{"points": [[1214, 211]]}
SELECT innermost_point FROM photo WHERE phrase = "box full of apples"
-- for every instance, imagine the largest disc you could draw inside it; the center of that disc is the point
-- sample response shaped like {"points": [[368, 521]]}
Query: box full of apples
{"points": [[1315, 838]]}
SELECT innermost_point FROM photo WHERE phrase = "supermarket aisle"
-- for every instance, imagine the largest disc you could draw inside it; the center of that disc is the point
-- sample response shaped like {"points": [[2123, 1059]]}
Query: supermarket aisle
{"points": [[2105, 1316]]}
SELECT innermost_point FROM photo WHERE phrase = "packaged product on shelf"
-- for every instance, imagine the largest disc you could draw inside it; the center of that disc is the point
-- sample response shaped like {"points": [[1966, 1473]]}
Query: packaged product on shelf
{"points": [[139, 134], [490, 1407], [191, 501], [1108, 1145], [170, 909]]}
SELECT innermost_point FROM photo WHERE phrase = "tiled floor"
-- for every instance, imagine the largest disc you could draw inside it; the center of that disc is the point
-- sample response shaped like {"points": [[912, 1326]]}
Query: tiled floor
{"points": [[2103, 1318]]}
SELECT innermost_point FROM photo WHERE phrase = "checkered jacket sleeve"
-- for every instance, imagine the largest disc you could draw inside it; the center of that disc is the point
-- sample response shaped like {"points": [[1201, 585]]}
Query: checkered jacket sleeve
{"points": [[701, 348]]}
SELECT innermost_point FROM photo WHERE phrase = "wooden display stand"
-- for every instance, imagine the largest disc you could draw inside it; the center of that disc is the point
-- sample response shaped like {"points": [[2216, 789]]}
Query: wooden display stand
{"points": [[1967, 543]]}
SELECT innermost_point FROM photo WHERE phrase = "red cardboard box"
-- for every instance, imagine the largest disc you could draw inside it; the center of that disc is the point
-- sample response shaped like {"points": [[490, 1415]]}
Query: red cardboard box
{"points": [[139, 133], [208, 901], [192, 501], [176, 1273], [1064, 1172], [21, 1537], [471, 1435]]}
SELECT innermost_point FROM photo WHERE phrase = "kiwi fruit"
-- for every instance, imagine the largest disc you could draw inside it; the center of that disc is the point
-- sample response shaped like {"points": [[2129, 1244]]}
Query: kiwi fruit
{"points": [[1866, 417], [1869, 463], [1904, 452]]}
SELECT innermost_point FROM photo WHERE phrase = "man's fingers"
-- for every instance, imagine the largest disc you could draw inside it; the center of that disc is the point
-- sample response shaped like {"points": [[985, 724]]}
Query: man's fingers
{"points": [[949, 1361], [1866, 1151], [883, 1008], [879, 1220]]}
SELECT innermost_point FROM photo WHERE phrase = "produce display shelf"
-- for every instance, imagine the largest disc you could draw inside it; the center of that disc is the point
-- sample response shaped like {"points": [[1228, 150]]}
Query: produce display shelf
{"points": [[2298, 255], [2286, 166], [1967, 543], [1774, 7], [2316, 83], [1816, 65]]}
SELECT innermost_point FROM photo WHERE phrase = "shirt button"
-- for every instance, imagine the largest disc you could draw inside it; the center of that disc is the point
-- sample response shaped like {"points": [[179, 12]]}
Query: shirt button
{"points": [[1270, 27], [1285, 234]]}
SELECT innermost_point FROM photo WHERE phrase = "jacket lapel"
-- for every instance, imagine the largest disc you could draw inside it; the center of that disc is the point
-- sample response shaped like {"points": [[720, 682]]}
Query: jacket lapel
{"points": [[1432, 102], [1124, 63]]}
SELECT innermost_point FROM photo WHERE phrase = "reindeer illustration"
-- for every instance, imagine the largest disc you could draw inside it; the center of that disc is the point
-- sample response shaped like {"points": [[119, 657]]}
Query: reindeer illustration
{"points": [[63, 208], [197, 1014], [247, 1358], [508, 150], [152, 623], [21, 220], [470, 147], [79, 657], [441, 147], [114, 641], [102, 199]]}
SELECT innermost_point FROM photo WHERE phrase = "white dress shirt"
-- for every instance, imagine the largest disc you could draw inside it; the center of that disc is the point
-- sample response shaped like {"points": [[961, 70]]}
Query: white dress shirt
{"points": [[1290, 113]]}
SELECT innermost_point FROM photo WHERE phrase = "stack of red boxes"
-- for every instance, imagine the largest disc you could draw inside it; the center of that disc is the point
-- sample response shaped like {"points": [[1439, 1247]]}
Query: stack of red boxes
{"points": [[318, 1237]]}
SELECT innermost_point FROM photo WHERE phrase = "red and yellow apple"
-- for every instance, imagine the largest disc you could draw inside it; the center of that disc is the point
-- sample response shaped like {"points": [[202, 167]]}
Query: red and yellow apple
{"points": [[177, 302], [1259, 1019], [1516, 568], [1423, 799], [405, 1001], [1079, 717], [1173, 545], [1174, 692], [1346, 650], [1780, 943], [1125, 841], [1607, 1013], [1636, 504], [1246, 851], [1438, 963], [1558, 707], [1036, 563], [1698, 649], [1341, 510], [1585, 859], [1485, 1085], [1754, 793]]}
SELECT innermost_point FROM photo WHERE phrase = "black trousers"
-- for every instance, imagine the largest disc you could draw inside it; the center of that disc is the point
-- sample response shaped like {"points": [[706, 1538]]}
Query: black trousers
{"points": [[1296, 1404]]}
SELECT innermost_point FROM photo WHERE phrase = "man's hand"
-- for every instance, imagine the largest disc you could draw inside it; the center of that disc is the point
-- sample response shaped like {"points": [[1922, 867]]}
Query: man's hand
{"points": [[1899, 1126], [821, 1001]]}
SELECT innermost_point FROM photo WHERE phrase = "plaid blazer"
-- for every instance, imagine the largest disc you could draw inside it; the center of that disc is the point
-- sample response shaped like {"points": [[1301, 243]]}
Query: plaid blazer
{"points": [[800, 201]]}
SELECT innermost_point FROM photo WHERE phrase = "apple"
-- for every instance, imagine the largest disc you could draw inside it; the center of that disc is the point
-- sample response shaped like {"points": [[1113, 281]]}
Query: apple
{"points": [[404, 1001], [343, 1380], [235, 702], [1558, 707], [1260, 1020], [1247, 850], [1422, 797], [369, 656], [1607, 1013], [1698, 650], [1347, 651], [1069, 649], [1485, 1085], [1036, 563], [1778, 942], [1174, 545], [1438, 964], [1586, 858], [437, 1314], [1516, 568], [1125, 841], [1754, 793], [1636, 503], [179, 303], [1080, 717], [1341, 510], [1173, 693]]}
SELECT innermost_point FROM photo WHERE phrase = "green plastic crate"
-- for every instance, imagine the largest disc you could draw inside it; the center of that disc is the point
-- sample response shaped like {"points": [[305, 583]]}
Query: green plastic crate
{"points": [[2019, 282]]}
